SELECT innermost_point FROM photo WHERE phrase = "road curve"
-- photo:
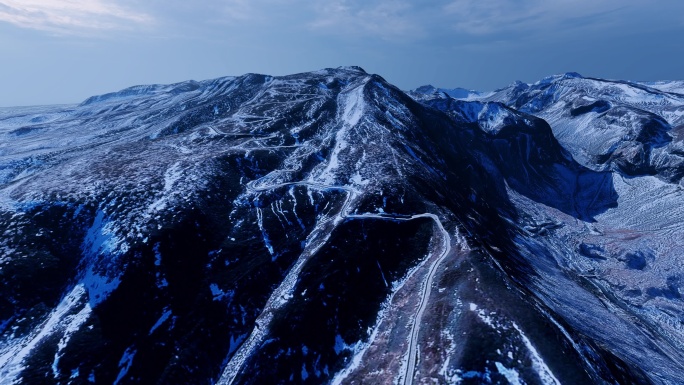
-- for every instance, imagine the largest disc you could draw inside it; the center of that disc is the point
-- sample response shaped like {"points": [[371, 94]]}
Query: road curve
{"points": [[276, 300]]}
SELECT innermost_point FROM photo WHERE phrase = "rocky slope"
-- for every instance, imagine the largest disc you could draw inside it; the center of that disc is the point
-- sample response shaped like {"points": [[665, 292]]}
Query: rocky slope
{"points": [[327, 227]]}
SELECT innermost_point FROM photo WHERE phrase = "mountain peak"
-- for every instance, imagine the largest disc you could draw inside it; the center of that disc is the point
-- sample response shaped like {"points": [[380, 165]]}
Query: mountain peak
{"points": [[559, 77], [352, 68]]}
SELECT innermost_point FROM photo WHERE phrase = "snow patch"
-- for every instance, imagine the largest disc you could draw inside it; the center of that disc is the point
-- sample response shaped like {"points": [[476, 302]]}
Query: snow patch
{"points": [[101, 238], [172, 175], [125, 364], [99, 286], [538, 364], [353, 109], [511, 374], [165, 316], [74, 324], [61, 320]]}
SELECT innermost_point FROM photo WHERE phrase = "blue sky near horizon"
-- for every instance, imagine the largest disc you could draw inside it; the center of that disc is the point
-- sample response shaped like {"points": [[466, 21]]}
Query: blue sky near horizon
{"points": [[62, 51]]}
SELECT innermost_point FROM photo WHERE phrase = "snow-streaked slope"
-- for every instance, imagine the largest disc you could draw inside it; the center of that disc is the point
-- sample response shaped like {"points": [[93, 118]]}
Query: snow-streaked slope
{"points": [[429, 91], [676, 86], [627, 126], [629, 255], [214, 199], [328, 227]]}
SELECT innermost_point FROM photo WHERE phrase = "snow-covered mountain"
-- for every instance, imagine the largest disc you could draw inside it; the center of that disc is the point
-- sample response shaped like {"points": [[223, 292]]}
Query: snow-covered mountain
{"points": [[327, 227], [629, 126], [429, 91]]}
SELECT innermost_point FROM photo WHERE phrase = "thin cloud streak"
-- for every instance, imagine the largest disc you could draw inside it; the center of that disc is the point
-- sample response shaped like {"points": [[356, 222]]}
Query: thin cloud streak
{"points": [[387, 20], [483, 17], [405, 20], [71, 16]]}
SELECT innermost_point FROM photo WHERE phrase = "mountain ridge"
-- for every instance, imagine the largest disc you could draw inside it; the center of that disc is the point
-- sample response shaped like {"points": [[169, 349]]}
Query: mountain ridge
{"points": [[259, 229]]}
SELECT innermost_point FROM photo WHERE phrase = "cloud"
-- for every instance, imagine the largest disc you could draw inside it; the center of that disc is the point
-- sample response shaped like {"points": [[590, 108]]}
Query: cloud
{"points": [[241, 10], [482, 17], [401, 19], [71, 16], [248, 15], [379, 18], [247, 11], [387, 20]]}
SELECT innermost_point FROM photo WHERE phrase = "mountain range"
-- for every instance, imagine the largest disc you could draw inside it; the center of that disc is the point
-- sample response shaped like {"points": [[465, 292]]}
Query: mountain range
{"points": [[328, 227]]}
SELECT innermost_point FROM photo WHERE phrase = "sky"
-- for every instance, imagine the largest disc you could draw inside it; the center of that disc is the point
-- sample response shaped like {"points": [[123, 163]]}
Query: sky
{"points": [[63, 51]]}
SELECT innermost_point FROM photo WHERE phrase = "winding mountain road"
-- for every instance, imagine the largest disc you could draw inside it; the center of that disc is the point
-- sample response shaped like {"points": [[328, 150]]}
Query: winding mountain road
{"points": [[424, 298], [280, 295], [352, 106]]}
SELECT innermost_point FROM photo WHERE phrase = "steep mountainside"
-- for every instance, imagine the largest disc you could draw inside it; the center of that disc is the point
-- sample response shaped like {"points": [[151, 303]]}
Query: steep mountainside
{"points": [[627, 126], [327, 227]]}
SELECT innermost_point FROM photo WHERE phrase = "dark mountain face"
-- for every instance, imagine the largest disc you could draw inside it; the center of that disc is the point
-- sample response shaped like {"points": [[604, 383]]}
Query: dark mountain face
{"points": [[327, 227]]}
